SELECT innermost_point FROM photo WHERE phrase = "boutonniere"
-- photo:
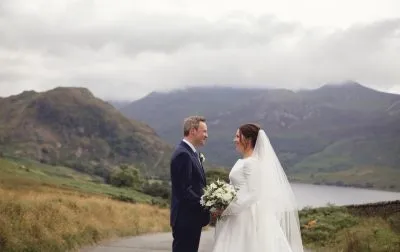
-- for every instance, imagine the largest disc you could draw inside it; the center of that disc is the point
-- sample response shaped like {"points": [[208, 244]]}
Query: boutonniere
{"points": [[202, 158]]}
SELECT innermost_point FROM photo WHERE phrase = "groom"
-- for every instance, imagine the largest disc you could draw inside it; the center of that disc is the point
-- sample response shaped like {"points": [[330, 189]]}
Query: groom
{"points": [[188, 180]]}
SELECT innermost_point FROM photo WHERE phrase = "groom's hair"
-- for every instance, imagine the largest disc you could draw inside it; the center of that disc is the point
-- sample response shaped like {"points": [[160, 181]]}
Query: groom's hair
{"points": [[192, 122], [250, 132]]}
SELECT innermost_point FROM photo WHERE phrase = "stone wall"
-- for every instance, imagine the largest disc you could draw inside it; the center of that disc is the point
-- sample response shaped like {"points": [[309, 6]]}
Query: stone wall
{"points": [[382, 209]]}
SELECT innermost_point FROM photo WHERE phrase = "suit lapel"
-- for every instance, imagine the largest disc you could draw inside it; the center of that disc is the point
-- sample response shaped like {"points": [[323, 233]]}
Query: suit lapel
{"points": [[195, 160], [200, 165]]}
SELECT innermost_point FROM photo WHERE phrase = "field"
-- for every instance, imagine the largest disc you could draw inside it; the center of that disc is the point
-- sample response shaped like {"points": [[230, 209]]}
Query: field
{"points": [[45, 208], [51, 208], [22, 173]]}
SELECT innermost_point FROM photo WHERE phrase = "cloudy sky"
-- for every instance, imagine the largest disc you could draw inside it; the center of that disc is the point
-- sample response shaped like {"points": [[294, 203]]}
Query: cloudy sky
{"points": [[124, 49]]}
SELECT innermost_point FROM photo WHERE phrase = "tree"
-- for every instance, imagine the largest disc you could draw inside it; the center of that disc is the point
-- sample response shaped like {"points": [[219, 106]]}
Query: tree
{"points": [[126, 176]]}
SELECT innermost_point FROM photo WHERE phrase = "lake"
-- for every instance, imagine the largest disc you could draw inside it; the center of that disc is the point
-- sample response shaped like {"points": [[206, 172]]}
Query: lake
{"points": [[320, 195]]}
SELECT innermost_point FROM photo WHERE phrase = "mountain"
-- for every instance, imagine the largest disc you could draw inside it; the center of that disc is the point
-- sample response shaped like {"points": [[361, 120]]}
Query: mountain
{"points": [[118, 104], [70, 126], [331, 129]]}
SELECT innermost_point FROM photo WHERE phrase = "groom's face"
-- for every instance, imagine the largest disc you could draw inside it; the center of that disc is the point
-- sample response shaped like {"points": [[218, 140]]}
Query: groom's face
{"points": [[200, 135]]}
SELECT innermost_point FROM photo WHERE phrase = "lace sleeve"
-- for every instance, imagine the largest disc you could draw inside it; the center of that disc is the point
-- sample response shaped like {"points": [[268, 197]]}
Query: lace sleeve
{"points": [[249, 193]]}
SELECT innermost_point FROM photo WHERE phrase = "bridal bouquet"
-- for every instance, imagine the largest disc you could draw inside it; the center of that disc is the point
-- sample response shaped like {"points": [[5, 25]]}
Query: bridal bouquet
{"points": [[217, 195]]}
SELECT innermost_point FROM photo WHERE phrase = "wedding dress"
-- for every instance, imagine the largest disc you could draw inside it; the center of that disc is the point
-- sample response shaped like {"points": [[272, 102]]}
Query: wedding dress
{"points": [[263, 216]]}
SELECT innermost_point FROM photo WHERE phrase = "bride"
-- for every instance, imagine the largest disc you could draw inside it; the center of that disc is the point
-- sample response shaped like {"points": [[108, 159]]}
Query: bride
{"points": [[263, 216]]}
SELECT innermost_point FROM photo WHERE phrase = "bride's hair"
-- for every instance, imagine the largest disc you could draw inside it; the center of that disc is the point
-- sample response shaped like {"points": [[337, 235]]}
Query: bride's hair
{"points": [[250, 132]]}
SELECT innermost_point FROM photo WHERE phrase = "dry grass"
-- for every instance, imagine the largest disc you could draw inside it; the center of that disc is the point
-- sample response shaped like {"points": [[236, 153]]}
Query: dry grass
{"points": [[50, 219]]}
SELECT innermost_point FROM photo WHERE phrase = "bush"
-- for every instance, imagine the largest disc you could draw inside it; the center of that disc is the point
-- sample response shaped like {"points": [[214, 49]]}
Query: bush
{"points": [[123, 198], [159, 202], [394, 221], [77, 165], [318, 225], [157, 189], [126, 176]]}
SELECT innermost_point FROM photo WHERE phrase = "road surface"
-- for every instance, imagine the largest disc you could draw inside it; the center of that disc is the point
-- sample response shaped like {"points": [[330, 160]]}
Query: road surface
{"points": [[161, 242]]}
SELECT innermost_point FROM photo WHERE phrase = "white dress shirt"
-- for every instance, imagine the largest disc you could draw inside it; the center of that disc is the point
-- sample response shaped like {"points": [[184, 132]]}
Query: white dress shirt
{"points": [[190, 144]]}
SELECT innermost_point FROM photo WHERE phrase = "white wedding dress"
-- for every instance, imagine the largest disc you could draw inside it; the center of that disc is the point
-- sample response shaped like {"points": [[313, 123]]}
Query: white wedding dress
{"points": [[263, 216], [236, 231]]}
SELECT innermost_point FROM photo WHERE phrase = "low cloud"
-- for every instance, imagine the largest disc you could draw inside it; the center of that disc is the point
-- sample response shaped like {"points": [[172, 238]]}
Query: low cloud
{"points": [[128, 56]]}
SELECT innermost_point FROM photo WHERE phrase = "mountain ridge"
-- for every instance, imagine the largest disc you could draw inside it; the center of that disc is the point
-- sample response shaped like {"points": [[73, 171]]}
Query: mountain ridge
{"points": [[72, 127], [299, 124]]}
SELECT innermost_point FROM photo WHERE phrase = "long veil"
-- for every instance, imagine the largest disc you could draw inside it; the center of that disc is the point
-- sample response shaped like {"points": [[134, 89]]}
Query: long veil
{"points": [[278, 222]]}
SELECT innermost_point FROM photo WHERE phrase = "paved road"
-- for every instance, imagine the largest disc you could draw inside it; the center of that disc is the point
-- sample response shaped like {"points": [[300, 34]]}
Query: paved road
{"points": [[150, 243]]}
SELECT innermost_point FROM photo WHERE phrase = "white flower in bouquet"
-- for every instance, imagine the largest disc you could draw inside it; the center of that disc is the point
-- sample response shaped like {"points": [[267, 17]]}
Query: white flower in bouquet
{"points": [[217, 195]]}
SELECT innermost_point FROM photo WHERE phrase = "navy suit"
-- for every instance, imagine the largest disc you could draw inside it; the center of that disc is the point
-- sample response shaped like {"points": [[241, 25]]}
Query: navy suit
{"points": [[187, 215]]}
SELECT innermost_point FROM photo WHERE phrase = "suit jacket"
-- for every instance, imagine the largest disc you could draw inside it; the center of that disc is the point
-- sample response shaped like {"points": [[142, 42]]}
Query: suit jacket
{"points": [[188, 180]]}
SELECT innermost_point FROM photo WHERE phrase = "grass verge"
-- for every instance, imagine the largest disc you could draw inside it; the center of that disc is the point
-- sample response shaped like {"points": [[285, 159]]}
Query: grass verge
{"points": [[336, 229], [52, 219]]}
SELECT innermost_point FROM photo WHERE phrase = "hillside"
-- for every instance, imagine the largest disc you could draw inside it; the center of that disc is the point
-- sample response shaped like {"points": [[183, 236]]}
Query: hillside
{"points": [[71, 127], [331, 129], [53, 208]]}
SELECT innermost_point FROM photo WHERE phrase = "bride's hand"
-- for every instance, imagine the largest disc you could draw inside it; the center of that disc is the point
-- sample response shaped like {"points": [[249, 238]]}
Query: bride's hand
{"points": [[217, 213]]}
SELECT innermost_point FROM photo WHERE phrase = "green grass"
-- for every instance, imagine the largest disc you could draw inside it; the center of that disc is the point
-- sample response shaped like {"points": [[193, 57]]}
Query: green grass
{"points": [[333, 156], [367, 176], [350, 162], [26, 173], [336, 229], [320, 225]]}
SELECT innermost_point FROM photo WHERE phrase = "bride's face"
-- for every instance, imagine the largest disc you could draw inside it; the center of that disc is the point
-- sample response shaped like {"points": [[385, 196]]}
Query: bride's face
{"points": [[238, 140]]}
